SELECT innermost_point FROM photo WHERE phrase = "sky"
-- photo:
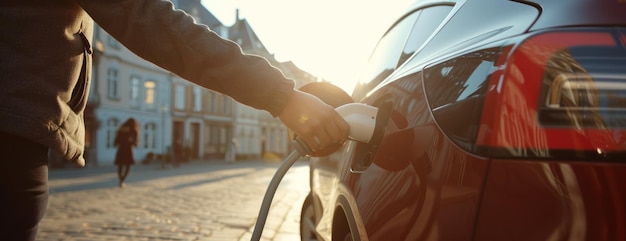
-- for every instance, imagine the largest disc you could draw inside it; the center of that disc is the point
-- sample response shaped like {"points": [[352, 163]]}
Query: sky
{"points": [[327, 38]]}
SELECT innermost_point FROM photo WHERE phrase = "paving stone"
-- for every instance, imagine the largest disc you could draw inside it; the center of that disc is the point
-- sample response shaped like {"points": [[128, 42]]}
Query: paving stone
{"points": [[202, 200]]}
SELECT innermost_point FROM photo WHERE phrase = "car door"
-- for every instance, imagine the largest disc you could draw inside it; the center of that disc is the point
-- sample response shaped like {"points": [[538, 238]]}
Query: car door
{"points": [[415, 182]]}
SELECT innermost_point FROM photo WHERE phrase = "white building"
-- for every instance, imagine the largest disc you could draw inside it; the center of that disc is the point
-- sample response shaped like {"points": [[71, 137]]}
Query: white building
{"points": [[172, 110]]}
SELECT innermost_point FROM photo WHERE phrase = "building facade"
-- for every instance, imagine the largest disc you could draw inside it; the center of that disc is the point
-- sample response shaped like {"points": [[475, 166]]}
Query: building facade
{"points": [[173, 112]]}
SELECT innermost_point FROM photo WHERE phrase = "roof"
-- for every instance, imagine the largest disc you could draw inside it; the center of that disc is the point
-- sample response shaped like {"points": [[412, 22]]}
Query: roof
{"points": [[241, 32], [199, 12]]}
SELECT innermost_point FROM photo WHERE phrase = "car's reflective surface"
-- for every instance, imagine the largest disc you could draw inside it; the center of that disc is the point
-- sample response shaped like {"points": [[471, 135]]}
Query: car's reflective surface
{"points": [[506, 124]]}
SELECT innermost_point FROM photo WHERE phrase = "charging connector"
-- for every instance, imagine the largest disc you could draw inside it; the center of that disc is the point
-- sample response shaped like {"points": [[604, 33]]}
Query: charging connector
{"points": [[366, 125], [366, 122]]}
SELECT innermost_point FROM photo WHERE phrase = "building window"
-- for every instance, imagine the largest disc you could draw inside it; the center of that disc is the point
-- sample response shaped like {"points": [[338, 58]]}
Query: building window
{"points": [[150, 94], [111, 130], [113, 82], [149, 136], [213, 102], [218, 103], [227, 105], [179, 102], [134, 90], [197, 99]]}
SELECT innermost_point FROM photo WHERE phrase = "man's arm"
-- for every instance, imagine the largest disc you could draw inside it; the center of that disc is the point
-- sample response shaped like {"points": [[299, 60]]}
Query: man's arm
{"points": [[170, 39]]}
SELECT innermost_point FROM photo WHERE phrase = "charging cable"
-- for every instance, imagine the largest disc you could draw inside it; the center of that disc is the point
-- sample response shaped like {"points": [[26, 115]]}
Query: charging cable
{"points": [[301, 149], [366, 125]]}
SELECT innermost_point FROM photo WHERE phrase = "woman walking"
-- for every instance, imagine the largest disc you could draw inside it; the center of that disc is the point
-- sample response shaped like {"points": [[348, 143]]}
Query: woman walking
{"points": [[126, 138]]}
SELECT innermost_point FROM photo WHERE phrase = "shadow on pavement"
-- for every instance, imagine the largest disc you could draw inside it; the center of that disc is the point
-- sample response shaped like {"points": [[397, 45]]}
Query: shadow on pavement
{"points": [[102, 177]]}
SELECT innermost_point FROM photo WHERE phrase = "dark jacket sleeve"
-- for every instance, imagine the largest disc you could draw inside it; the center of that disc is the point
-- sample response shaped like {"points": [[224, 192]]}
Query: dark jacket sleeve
{"points": [[169, 38]]}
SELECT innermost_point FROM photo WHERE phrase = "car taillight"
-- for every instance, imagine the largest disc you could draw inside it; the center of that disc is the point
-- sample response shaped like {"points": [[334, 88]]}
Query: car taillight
{"points": [[558, 94]]}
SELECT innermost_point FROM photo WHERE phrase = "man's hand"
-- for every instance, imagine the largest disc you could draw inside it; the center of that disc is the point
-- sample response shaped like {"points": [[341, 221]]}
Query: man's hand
{"points": [[317, 123]]}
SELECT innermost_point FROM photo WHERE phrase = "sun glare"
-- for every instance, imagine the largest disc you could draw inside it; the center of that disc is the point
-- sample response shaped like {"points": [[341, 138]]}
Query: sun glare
{"points": [[328, 38]]}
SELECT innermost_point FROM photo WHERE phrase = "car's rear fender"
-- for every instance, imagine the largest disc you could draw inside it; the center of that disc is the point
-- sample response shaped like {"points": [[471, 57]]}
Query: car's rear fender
{"points": [[553, 200]]}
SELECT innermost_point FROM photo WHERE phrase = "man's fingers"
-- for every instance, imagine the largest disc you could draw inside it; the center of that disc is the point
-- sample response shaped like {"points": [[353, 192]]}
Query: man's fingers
{"points": [[312, 141], [318, 137], [315, 122]]}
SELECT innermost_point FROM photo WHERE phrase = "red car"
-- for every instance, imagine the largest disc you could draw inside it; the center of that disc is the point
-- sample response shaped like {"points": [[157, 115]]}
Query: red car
{"points": [[508, 122]]}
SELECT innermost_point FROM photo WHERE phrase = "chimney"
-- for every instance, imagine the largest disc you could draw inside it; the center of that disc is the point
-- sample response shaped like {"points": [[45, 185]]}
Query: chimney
{"points": [[237, 14]]}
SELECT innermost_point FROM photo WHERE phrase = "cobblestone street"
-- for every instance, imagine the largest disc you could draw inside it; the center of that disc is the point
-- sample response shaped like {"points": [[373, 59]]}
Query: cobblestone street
{"points": [[202, 200]]}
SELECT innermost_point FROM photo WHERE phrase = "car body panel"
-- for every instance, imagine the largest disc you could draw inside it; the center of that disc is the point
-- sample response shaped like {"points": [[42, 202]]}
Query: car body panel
{"points": [[413, 185], [530, 200], [430, 178], [419, 183]]}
